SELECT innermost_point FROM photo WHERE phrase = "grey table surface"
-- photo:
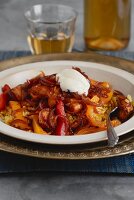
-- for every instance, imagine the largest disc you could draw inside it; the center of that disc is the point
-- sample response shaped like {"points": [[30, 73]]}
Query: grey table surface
{"points": [[58, 186]]}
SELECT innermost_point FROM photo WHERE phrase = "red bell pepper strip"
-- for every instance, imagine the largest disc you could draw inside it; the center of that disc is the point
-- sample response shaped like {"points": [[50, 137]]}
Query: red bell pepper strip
{"points": [[60, 108], [3, 101], [6, 88], [4, 96], [62, 126]]}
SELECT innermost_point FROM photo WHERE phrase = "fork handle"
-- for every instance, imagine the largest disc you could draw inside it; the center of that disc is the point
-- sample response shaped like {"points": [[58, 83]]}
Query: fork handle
{"points": [[112, 135]]}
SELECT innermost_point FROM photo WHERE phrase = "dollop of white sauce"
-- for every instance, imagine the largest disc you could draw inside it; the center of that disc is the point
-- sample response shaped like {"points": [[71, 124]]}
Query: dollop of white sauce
{"points": [[73, 81]]}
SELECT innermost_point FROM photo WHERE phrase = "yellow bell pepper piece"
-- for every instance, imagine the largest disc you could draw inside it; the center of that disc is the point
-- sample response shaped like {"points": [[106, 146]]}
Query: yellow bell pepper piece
{"points": [[36, 127], [14, 105]]}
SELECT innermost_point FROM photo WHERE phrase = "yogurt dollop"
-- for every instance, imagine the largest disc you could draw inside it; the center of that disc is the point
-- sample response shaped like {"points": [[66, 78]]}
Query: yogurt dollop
{"points": [[73, 81]]}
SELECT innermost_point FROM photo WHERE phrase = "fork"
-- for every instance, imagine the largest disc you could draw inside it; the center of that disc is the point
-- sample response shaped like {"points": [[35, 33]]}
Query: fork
{"points": [[111, 134]]}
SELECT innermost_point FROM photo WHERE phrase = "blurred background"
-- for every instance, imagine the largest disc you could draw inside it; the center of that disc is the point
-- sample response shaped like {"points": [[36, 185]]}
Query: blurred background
{"points": [[13, 25]]}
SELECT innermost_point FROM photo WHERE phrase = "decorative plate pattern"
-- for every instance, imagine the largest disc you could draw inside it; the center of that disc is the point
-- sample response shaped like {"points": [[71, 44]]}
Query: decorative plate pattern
{"points": [[95, 151]]}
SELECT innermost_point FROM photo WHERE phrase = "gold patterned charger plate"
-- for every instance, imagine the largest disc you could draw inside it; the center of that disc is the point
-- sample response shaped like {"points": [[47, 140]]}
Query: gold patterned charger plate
{"points": [[92, 151]]}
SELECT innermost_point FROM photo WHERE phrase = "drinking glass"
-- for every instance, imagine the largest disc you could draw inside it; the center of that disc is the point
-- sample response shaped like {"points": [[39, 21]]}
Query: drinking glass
{"points": [[51, 28]]}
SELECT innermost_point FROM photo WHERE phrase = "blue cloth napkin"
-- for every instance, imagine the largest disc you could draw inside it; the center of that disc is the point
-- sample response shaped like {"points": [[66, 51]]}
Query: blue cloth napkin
{"points": [[17, 163]]}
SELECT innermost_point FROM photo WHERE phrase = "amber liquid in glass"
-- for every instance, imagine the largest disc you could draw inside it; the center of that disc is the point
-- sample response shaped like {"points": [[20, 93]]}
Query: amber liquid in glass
{"points": [[106, 24], [40, 45]]}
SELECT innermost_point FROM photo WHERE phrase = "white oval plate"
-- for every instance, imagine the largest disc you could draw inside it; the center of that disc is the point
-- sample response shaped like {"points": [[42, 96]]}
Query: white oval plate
{"points": [[120, 80]]}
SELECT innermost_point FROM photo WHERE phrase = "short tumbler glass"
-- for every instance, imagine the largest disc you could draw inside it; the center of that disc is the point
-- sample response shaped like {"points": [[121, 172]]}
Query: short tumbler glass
{"points": [[50, 28]]}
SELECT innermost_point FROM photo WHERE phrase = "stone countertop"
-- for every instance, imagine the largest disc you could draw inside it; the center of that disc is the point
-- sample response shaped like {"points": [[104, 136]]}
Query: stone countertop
{"points": [[59, 186], [13, 32]]}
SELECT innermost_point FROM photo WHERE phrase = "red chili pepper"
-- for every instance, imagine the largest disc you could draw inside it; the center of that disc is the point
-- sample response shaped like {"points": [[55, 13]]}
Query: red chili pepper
{"points": [[61, 128], [6, 88], [3, 100]]}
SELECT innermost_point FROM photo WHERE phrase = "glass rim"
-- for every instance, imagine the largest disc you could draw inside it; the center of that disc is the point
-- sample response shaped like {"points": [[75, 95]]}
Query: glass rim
{"points": [[56, 5]]}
